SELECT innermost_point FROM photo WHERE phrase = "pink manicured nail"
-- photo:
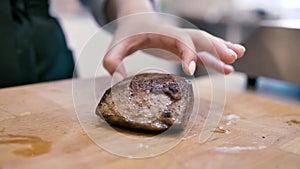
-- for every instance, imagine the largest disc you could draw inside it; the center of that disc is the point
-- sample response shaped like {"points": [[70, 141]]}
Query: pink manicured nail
{"points": [[232, 53], [240, 47], [192, 67], [229, 68]]}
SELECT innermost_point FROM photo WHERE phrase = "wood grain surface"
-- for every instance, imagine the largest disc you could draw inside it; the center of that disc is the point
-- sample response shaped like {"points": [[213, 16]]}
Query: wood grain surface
{"points": [[39, 128]]}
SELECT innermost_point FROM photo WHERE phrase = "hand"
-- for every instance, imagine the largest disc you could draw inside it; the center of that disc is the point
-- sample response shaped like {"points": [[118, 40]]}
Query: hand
{"points": [[138, 30], [135, 34]]}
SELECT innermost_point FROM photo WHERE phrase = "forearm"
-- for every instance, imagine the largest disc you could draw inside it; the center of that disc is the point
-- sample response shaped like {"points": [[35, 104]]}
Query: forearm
{"points": [[105, 11], [121, 8]]}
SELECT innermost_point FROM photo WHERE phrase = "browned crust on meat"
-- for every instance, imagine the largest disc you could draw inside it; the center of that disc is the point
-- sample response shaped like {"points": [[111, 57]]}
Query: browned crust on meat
{"points": [[115, 118], [165, 83], [140, 85]]}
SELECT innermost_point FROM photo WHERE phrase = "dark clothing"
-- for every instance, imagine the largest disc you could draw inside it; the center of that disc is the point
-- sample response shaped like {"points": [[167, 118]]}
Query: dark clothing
{"points": [[32, 44]]}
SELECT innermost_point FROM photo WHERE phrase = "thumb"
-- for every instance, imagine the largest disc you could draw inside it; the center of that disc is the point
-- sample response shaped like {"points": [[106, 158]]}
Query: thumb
{"points": [[189, 59], [113, 60]]}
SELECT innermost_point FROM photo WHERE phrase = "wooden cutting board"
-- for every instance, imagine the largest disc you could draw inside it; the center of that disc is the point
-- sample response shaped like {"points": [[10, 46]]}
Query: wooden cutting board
{"points": [[39, 128]]}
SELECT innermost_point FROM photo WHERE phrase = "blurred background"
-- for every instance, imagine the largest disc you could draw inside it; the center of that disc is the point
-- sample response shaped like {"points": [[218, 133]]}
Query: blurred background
{"points": [[270, 30]]}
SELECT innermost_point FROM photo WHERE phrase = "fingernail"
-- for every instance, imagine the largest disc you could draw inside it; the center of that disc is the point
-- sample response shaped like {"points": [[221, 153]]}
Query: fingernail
{"points": [[241, 47], [228, 69], [232, 53], [192, 68]]}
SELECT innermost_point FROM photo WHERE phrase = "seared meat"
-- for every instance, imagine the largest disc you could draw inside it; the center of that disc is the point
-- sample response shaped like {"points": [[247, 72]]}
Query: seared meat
{"points": [[149, 102]]}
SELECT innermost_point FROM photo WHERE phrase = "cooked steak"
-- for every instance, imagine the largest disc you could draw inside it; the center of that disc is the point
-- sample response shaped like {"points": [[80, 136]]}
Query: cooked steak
{"points": [[148, 102]]}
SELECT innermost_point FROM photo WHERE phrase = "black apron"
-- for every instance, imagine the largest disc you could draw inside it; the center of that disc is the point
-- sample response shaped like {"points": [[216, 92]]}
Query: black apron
{"points": [[32, 44]]}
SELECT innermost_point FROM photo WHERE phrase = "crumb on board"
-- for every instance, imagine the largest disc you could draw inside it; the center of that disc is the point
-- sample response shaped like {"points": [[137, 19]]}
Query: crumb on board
{"points": [[25, 114], [221, 130], [293, 121]]}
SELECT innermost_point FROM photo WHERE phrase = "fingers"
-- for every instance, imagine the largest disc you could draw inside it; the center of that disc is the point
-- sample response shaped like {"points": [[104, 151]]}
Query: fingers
{"points": [[227, 55], [188, 58], [208, 60], [181, 46], [114, 57], [176, 45], [226, 51], [238, 49]]}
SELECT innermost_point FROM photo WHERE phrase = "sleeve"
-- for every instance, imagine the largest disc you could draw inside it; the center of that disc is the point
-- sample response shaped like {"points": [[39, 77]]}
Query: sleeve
{"points": [[99, 9]]}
